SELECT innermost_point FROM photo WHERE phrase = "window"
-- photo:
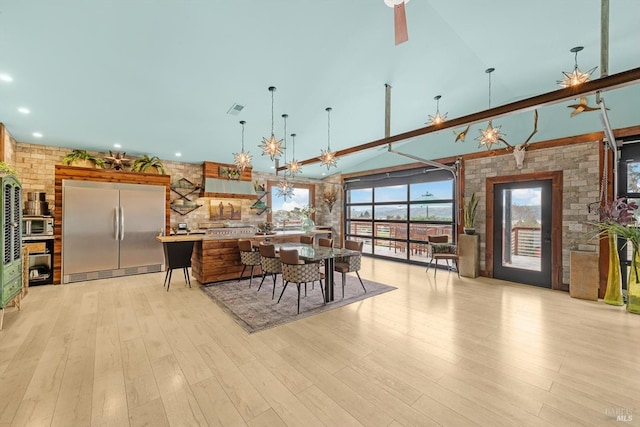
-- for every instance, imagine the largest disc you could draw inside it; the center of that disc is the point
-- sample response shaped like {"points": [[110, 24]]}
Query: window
{"points": [[286, 214], [394, 213]]}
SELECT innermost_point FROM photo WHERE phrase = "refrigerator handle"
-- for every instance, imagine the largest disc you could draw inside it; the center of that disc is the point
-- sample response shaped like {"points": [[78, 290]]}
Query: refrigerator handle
{"points": [[121, 223], [116, 224]]}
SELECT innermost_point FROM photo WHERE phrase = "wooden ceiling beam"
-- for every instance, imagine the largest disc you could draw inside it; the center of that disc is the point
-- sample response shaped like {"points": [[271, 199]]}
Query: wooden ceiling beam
{"points": [[615, 81]]}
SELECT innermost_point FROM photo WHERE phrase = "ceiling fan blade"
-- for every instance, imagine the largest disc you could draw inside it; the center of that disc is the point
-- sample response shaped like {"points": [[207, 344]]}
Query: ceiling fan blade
{"points": [[400, 23]]}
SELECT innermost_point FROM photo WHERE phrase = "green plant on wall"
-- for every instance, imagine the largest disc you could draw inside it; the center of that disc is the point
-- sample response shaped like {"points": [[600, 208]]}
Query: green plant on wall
{"points": [[145, 163], [470, 210], [79, 156], [6, 168]]}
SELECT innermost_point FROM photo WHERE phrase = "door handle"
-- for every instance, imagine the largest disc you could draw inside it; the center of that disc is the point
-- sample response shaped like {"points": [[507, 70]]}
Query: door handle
{"points": [[121, 223], [116, 224]]}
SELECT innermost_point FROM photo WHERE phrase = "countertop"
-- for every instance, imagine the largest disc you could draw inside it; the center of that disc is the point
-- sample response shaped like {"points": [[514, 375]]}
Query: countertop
{"points": [[199, 237]]}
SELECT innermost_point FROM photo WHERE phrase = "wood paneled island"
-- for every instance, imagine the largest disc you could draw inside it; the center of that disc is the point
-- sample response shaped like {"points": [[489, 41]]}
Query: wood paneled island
{"points": [[217, 258]]}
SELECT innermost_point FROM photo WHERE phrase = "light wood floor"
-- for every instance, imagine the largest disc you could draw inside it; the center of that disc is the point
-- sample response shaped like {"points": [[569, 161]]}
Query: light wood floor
{"points": [[450, 351]]}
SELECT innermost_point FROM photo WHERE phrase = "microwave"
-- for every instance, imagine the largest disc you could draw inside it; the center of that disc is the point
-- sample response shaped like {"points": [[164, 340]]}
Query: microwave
{"points": [[37, 226]]}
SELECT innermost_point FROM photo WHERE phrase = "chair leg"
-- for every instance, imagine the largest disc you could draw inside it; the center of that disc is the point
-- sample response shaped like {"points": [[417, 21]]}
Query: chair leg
{"points": [[186, 276], [358, 274], [305, 287], [457, 269], [261, 282], [344, 277], [283, 288], [244, 267], [324, 301], [435, 269], [166, 276], [429, 265], [251, 279], [273, 294], [169, 282]]}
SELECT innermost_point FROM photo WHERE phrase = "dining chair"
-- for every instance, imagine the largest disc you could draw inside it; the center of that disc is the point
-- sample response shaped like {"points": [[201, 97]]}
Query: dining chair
{"points": [[307, 240], [248, 257], [440, 248], [351, 263], [323, 241], [296, 271], [177, 255], [270, 264]]}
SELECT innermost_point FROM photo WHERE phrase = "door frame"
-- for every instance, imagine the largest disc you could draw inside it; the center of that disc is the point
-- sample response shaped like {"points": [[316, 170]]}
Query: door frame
{"points": [[556, 178]]}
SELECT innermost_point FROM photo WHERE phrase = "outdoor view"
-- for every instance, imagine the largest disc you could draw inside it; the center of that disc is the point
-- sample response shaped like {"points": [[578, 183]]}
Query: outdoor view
{"points": [[288, 214], [522, 218], [394, 221]]}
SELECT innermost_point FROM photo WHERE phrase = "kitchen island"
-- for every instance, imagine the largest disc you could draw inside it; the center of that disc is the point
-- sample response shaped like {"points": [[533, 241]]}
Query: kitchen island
{"points": [[216, 257]]}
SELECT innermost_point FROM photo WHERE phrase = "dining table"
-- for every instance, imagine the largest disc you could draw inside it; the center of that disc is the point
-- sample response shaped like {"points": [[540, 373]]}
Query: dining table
{"points": [[315, 253]]}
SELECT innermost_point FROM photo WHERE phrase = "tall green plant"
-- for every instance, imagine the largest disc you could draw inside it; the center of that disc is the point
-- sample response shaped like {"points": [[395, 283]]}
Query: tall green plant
{"points": [[470, 210]]}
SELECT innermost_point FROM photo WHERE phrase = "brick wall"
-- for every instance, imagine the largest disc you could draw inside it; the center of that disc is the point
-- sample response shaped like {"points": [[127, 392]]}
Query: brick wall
{"points": [[579, 163]]}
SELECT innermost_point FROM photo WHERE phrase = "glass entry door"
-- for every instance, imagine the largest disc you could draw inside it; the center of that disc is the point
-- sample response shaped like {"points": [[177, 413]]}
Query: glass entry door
{"points": [[522, 232]]}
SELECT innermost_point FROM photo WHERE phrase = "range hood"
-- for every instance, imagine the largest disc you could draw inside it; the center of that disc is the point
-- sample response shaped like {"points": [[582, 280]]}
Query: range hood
{"points": [[229, 186]]}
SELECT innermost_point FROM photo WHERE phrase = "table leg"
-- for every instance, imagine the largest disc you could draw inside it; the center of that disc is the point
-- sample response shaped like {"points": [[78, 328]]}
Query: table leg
{"points": [[328, 279]]}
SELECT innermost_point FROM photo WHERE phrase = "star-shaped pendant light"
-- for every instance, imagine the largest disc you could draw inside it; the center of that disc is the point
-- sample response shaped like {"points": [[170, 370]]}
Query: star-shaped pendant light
{"points": [[491, 135], [294, 167], [437, 118], [242, 159], [271, 146], [576, 77], [285, 186], [328, 157]]}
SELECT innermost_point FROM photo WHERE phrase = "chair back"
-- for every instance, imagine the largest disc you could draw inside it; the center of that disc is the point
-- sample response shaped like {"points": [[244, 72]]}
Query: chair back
{"points": [[289, 256], [438, 239], [353, 245], [323, 241], [245, 245], [267, 250], [307, 240]]}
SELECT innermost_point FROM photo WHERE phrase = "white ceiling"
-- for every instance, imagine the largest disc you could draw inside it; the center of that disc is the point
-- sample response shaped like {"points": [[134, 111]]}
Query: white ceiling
{"points": [[158, 76]]}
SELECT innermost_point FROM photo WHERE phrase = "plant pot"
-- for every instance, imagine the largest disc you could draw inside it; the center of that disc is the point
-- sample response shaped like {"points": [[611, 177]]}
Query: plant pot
{"points": [[613, 294], [469, 231], [83, 164]]}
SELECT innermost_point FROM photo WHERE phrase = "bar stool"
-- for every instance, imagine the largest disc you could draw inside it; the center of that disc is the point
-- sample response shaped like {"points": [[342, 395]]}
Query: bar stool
{"points": [[307, 240], [177, 255]]}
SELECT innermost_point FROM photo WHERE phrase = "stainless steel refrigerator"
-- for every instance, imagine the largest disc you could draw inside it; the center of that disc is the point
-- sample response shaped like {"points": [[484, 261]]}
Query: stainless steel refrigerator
{"points": [[109, 229]]}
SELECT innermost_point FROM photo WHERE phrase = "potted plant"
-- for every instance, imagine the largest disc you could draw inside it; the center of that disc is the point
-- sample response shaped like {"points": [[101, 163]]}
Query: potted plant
{"points": [[470, 210], [7, 169], [82, 158], [148, 164]]}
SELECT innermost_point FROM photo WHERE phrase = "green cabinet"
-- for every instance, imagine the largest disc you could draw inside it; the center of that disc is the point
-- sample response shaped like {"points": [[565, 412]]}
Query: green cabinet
{"points": [[10, 226]]}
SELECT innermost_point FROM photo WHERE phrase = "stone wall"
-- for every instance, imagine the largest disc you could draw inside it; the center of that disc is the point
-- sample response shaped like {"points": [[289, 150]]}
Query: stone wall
{"points": [[36, 170], [580, 166]]}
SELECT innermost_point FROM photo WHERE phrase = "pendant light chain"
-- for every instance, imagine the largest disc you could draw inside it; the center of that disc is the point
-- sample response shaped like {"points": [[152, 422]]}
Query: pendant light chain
{"points": [[272, 89], [242, 123], [328, 128], [490, 89], [284, 117]]}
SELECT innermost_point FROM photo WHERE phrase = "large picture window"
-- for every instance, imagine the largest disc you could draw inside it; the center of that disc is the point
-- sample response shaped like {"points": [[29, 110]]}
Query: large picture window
{"points": [[288, 214], [394, 213]]}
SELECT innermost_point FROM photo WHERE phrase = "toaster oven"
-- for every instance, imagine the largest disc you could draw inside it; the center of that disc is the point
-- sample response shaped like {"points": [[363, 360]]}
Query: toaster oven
{"points": [[37, 226]]}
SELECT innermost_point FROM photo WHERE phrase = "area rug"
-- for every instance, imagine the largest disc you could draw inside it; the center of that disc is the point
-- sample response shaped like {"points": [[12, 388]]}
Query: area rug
{"points": [[256, 311]]}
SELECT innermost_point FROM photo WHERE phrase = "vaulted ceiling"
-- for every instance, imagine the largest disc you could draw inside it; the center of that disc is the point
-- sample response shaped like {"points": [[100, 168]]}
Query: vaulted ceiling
{"points": [[159, 77]]}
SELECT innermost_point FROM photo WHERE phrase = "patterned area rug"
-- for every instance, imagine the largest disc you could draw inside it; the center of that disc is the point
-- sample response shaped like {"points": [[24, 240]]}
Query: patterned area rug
{"points": [[256, 311]]}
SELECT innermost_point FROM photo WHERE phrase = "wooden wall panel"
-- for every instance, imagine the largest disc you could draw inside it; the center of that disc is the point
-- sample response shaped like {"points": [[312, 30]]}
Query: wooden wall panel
{"points": [[98, 175]]}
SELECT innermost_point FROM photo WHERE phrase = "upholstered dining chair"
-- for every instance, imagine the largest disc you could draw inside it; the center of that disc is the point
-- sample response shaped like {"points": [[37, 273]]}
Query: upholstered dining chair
{"points": [[248, 257], [307, 240], [296, 271], [327, 243], [350, 263], [270, 264], [441, 249]]}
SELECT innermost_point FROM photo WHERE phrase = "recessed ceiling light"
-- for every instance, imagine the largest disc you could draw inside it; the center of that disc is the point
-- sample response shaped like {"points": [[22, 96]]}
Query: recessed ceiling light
{"points": [[323, 173], [24, 110], [273, 167], [6, 78], [116, 145], [178, 154], [37, 135]]}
